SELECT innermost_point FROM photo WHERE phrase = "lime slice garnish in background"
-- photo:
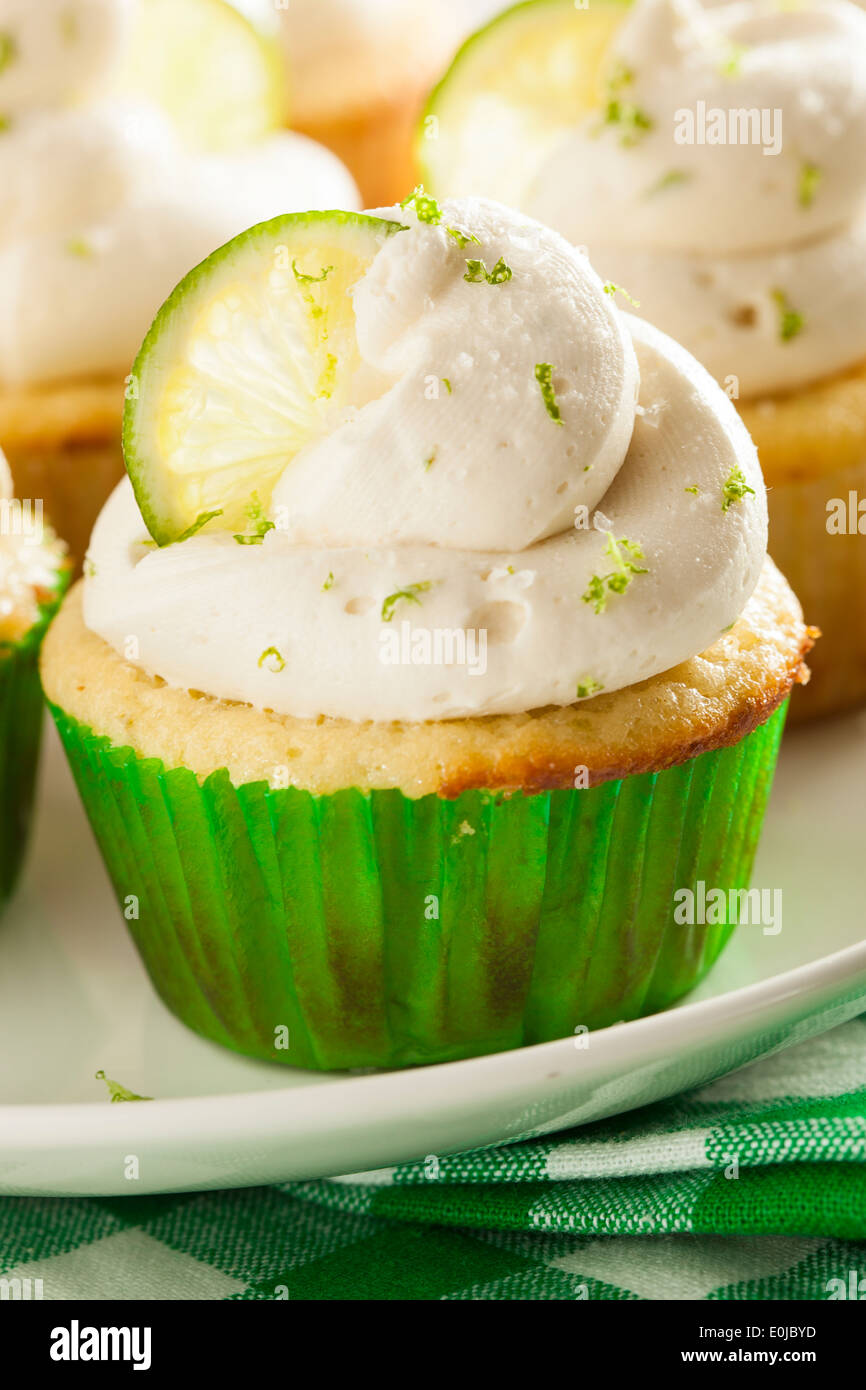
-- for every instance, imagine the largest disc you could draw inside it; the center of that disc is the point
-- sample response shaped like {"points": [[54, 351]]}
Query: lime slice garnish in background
{"points": [[513, 89], [248, 360], [219, 78]]}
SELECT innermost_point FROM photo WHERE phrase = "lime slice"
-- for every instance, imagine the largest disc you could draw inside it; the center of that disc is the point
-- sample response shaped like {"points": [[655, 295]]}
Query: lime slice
{"points": [[219, 79], [248, 360], [513, 89]]}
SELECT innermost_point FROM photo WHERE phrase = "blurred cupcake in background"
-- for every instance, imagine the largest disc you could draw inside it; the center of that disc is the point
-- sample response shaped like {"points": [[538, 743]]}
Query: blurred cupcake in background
{"points": [[33, 577], [359, 71], [135, 137], [713, 161]]}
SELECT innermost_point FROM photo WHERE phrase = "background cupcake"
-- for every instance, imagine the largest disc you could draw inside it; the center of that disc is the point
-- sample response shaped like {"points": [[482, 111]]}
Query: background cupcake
{"points": [[359, 71], [353, 838], [713, 159], [135, 136], [33, 577]]}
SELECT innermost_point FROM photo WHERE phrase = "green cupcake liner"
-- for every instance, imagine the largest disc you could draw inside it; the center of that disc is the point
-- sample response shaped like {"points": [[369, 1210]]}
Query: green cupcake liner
{"points": [[21, 713], [372, 930]]}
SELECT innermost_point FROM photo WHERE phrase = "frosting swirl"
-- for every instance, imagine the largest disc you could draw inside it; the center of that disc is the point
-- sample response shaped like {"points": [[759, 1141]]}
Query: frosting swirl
{"points": [[523, 461], [724, 182], [102, 208]]}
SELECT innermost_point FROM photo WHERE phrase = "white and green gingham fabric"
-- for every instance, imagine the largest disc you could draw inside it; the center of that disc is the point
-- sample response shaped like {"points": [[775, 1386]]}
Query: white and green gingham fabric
{"points": [[753, 1187]]}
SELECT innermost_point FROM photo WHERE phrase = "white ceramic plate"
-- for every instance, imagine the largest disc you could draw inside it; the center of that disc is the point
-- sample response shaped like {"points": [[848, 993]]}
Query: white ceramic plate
{"points": [[74, 999]]}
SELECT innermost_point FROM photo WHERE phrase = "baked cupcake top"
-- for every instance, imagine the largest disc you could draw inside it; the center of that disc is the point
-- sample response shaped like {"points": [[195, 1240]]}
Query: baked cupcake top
{"points": [[104, 199], [718, 170], [415, 466], [31, 561]]}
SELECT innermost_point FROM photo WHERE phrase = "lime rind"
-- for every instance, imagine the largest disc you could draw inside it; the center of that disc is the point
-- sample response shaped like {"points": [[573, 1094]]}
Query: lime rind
{"points": [[512, 89], [245, 364], [220, 78]]}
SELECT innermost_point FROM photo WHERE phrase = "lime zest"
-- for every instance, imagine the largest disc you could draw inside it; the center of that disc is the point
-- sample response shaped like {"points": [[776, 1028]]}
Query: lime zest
{"points": [[808, 183], [477, 273], [791, 321], [731, 64], [610, 288], [692, 489], [201, 520], [447, 384], [735, 488], [260, 523], [672, 179], [629, 118], [116, 1092], [544, 376], [621, 75], [273, 659], [427, 210], [587, 687], [633, 122], [425, 207], [407, 595], [463, 238], [79, 246], [329, 582], [69, 26], [430, 459], [617, 580], [8, 49]]}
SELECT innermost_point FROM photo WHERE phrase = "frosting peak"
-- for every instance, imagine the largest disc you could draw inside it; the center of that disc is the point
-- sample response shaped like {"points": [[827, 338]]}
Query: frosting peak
{"points": [[460, 450], [575, 507]]}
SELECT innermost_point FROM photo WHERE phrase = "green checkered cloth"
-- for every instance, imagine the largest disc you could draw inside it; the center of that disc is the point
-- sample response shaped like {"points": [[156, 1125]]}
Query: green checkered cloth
{"points": [[753, 1187]]}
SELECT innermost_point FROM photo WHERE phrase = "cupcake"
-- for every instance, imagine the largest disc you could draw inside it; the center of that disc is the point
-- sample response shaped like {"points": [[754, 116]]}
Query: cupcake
{"points": [[121, 164], [33, 578], [411, 698], [713, 160], [359, 71]]}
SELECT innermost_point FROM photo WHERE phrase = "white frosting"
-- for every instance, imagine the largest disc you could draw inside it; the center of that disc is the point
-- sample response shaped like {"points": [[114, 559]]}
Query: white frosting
{"points": [[724, 312], [711, 236], [484, 536], [62, 51], [102, 210]]}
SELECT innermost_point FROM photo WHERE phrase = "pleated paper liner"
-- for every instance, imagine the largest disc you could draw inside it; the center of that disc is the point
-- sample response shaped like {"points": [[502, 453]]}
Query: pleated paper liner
{"points": [[371, 930], [21, 712]]}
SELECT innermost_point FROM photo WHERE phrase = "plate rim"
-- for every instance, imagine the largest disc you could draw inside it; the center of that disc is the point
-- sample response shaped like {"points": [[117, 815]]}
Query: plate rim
{"points": [[77, 1124]]}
